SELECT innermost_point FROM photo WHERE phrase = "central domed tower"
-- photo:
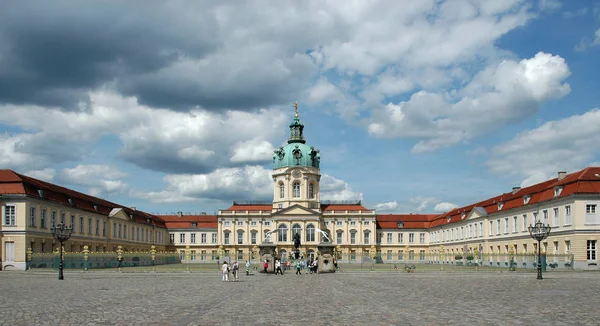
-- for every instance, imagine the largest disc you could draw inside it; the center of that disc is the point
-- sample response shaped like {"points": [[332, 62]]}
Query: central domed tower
{"points": [[296, 173]]}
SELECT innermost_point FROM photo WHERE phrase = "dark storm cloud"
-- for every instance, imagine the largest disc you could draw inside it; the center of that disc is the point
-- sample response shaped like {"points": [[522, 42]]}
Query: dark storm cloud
{"points": [[53, 52]]}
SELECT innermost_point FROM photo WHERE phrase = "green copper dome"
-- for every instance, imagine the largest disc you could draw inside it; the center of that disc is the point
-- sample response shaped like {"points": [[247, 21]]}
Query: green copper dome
{"points": [[296, 152]]}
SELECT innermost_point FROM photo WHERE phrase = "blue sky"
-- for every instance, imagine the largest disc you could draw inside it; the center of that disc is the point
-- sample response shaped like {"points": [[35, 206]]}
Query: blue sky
{"points": [[415, 106]]}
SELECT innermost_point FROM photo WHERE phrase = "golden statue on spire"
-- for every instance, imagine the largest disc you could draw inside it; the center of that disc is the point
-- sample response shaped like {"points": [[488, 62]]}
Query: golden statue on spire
{"points": [[296, 109]]}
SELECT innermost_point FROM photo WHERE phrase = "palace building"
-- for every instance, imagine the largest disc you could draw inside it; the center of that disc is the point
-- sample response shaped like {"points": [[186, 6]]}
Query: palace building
{"points": [[490, 230]]}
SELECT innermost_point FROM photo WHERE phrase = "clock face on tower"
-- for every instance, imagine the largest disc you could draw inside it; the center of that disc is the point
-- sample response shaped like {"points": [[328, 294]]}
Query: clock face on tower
{"points": [[296, 174]]}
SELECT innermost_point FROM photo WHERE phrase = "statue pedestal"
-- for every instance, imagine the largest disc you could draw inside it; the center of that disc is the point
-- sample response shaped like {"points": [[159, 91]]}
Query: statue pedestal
{"points": [[267, 250], [326, 252]]}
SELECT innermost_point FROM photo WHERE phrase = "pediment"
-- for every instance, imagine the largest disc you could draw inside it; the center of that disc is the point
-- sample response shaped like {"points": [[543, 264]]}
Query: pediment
{"points": [[477, 212], [296, 210], [119, 213]]}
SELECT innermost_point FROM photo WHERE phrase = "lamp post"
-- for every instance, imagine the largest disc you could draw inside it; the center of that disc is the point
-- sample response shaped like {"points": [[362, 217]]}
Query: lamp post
{"points": [[61, 233], [539, 232]]}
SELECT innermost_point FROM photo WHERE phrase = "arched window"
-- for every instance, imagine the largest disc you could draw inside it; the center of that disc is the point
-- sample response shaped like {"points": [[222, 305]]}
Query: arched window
{"points": [[311, 191], [310, 232], [296, 187], [240, 237], [296, 228], [281, 190], [282, 233]]}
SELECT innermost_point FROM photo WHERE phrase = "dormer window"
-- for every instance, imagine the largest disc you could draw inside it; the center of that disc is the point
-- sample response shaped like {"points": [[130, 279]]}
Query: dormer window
{"points": [[463, 215], [526, 199], [194, 225], [400, 225], [95, 207], [449, 219], [557, 191], [500, 205], [131, 216], [41, 193], [70, 201], [148, 220]]}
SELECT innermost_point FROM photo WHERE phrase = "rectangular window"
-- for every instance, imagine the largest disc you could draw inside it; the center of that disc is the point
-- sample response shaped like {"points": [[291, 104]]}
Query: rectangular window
{"points": [[240, 237], [90, 226], [545, 216], [81, 224], [590, 209], [338, 223], [32, 216], [267, 223], [591, 250], [227, 223], [253, 223], [411, 238], [53, 219], [193, 238], [10, 215], [389, 237], [213, 238], [555, 216], [240, 223], [63, 217], [226, 238], [481, 229], [114, 229], [421, 237], [124, 228], [97, 227], [568, 215], [524, 222], [120, 231], [498, 227], [353, 255], [171, 238], [421, 255], [104, 228], [43, 218], [352, 237], [181, 237], [366, 222], [515, 224], [491, 227], [339, 237], [506, 226], [202, 237], [535, 217], [352, 223], [400, 237], [253, 235], [367, 237]]}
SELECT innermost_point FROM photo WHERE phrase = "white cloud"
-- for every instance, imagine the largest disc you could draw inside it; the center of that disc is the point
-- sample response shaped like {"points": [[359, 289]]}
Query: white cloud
{"points": [[597, 37], [46, 174], [335, 189], [252, 151], [444, 207], [100, 179], [156, 139], [500, 94], [538, 154], [422, 202], [386, 207]]}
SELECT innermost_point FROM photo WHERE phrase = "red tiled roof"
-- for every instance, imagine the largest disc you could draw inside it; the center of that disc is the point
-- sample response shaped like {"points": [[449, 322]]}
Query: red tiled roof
{"points": [[409, 221], [586, 181], [14, 183]]}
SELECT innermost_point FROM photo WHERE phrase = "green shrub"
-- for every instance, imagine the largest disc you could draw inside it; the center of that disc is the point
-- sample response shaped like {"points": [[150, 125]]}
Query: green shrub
{"points": [[458, 257]]}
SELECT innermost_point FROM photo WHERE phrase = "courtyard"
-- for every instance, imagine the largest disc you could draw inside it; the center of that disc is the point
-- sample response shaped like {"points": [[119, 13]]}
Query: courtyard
{"points": [[350, 298]]}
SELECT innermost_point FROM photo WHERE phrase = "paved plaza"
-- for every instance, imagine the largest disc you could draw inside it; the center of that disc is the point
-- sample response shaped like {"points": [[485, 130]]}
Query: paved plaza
{"points": [[433, 298]]}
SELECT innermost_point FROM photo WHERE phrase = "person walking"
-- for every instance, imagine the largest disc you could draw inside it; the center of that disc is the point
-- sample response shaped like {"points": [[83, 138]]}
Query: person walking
{"points": [[278, 267], [298, 266], [225, 271], [236, 271], [266, 266], [247, 267]]}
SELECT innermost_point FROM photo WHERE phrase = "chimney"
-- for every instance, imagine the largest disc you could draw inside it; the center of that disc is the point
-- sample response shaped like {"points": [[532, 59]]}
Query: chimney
{"points": [[515, 190], [180, 214], [562, 175]]}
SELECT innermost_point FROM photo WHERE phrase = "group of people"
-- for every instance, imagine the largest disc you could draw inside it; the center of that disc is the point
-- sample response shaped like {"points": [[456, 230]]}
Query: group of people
{"points": [[235, 269], [312, 266]]}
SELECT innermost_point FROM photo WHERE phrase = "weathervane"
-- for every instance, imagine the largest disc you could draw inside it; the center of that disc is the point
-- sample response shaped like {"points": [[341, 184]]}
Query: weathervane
{"points": [[295, 109]]}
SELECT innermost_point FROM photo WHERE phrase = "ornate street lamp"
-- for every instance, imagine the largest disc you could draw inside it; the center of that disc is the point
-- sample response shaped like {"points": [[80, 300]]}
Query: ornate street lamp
{"points": [[539, 232], [61, 233]]}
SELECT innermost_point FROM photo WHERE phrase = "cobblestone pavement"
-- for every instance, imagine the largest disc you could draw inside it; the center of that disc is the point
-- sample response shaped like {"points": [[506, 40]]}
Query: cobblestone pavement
{"points": [[437, 298]]}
